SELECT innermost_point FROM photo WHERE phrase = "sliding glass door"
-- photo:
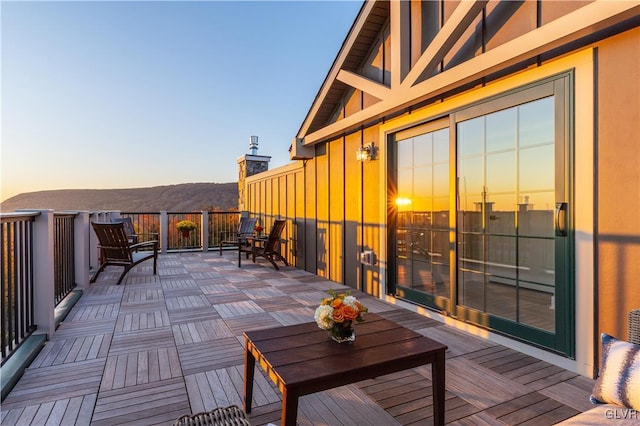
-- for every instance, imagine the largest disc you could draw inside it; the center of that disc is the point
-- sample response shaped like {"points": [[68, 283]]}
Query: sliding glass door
{"points": [[482, 215]]}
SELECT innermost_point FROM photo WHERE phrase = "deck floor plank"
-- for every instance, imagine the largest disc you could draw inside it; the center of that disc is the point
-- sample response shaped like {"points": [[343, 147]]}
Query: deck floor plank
{"points": [[458, 342], [157, 347]]}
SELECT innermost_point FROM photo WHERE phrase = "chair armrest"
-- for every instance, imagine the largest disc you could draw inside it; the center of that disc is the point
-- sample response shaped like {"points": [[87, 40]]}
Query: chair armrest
{"points": [[100, 246], [148, 233], [152, 243], [147, 236]]}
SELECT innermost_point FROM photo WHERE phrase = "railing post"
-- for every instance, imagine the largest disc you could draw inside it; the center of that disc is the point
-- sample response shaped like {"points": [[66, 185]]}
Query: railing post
{"points": [[82, 249], [204, 229], [164, 231], [43, 273], [93, 241]]}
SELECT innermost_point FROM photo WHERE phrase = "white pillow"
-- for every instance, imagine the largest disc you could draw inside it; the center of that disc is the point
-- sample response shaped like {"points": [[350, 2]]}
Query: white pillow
{"points": [[619, 377]]}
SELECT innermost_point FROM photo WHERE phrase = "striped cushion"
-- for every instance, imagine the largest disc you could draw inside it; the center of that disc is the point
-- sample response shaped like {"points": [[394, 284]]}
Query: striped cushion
{"points": [[619, 377]]}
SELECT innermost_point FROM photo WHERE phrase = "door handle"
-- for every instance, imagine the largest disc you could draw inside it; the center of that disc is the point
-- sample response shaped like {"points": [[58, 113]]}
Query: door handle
{"points": [[561, 219]]}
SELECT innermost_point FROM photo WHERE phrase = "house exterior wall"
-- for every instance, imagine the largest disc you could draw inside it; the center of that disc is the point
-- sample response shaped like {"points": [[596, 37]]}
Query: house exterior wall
{"points": [[618, 207], [342, 204]]}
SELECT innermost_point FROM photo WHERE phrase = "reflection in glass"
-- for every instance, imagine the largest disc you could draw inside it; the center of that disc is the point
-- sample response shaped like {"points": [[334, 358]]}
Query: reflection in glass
{"points": [[422, 150], [441, 213], [535, 123], [536, 215], [423, 185], [501, 257], [405, 183], [404, 272], [405, 154], [471, 289], [501, 172], [471, 252], [536, 172], [537, 261], [501, 130], [501, 295], [506, 200], [470, 214], [537, 282], [501, 214], [470, 175], [536, 308], [423, 240], [471, 137], [441, 146], [441, 180]]}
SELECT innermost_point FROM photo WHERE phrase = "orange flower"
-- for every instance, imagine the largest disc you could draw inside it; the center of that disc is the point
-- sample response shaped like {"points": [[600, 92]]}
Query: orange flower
{"points": [[338, 315], [336, 303], [349, 312]]}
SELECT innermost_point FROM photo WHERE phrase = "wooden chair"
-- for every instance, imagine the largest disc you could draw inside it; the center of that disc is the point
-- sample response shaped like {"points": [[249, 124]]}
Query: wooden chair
{"points": [[115, 249], [238, 237], [268, 247], [134, 238], [128, 228]]}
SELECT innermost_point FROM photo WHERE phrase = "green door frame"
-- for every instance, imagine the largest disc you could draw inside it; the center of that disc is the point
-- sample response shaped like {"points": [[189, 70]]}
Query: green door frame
{"points": [[562, 341]]}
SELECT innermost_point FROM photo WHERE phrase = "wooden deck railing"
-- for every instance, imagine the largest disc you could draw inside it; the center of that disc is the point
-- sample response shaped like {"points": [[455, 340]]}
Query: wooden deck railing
{"points": [[162, 225], [17, 280], [47, 254], [63, 255]]}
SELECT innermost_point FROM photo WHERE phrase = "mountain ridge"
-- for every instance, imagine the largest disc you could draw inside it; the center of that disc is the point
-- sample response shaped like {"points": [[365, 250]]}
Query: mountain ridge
{"points": [[183, 197]]}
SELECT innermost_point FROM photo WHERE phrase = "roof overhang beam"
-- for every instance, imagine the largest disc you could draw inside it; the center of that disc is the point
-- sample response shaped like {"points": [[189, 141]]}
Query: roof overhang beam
{"points": [[451, 31], [367, 85]]}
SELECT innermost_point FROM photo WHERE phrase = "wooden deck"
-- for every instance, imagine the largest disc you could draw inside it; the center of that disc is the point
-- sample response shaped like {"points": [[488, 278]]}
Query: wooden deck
{"points": [[157, 347]]}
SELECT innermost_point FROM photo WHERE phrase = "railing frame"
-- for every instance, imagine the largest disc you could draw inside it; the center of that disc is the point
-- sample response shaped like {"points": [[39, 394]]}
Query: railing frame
{"points": [[62, 256], [17, 292], [43, 272]]}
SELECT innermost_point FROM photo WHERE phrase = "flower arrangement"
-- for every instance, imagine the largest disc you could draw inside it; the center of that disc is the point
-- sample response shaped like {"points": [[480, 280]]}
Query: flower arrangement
{"points": [[185, 226], [258, 229], [337, 313]]}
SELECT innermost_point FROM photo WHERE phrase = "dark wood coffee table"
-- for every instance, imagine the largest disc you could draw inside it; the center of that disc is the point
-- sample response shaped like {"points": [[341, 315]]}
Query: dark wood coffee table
{"points": [[301, 359]]}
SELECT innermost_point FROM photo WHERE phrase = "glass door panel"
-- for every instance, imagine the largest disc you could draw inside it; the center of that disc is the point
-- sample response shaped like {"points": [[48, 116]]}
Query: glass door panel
{"points": [[422, 228], [506, 241]]}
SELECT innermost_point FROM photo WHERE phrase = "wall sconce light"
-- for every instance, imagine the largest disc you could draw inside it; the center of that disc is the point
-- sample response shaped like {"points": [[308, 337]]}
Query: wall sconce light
{"points": [[366, 152]]}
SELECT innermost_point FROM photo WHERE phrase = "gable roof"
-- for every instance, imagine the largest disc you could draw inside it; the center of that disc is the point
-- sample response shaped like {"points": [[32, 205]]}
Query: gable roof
{"points": [[365, 30], [407, 87]]}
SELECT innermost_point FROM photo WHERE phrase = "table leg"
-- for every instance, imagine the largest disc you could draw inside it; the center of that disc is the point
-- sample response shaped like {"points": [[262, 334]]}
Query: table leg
{"points": [[289, 408], [438, 383], [249, 368]]}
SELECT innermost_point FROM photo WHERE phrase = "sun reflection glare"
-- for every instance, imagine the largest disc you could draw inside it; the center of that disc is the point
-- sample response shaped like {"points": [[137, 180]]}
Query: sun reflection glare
{"points": [[403, 201]]}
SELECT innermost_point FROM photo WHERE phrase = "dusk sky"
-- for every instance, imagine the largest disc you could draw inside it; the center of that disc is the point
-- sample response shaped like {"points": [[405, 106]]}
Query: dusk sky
{"points": [[122, 94]]}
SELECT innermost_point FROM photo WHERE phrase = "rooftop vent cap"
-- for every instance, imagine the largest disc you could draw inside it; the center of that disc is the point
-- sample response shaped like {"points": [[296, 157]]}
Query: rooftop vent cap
{"points": [[253, 145]]}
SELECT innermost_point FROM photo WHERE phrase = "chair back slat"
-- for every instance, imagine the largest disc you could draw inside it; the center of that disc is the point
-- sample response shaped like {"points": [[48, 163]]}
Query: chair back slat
{"points": [[274, 236], [247, 226], [114, 242], [128, 228]]}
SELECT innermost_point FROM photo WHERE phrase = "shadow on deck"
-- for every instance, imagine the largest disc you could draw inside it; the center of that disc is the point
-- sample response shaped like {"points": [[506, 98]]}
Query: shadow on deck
{"points": [[157, 347]]}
